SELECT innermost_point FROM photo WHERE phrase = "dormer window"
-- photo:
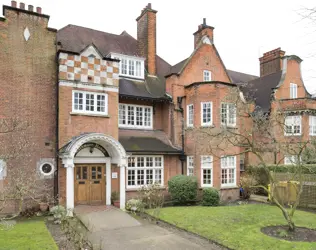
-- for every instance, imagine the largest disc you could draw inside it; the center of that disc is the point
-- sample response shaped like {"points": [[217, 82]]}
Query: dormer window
{"points": [[130, 66], [91, 56]]}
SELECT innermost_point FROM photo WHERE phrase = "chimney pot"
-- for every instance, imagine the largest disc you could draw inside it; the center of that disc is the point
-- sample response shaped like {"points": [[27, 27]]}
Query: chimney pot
{"points": [[149, 6], [22, 6], [13, 4], [39, 10], [204, 21], [30, 7]]}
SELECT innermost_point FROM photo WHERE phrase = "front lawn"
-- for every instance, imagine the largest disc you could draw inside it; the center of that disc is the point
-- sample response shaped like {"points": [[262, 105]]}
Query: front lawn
{"points": [[237, 227], [31, 234]]}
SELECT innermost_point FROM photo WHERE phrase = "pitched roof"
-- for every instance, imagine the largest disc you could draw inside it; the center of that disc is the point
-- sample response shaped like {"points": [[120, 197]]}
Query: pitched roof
{"points": [[75, 39], [145, 141], [261, 88], [239, 77], [236, 77]]}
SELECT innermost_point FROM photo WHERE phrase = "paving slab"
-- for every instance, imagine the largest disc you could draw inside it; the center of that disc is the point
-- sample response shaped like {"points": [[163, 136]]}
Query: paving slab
{"points": [[113, 229], [107, 220]]}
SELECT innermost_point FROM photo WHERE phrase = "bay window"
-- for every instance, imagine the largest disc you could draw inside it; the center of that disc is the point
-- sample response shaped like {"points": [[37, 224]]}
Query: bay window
{"points": [[312, 125], [293, 125], [206, 113], [190, 115], [144, 170], [135, 116], [228, 114]]}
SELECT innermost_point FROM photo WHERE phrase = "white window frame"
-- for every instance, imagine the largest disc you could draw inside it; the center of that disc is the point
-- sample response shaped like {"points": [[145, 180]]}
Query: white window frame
{"points": [[312, 125], [209, 123], [136, 168], [293, 90], [290, 122], [133, 64], [207, 75], [227, 167], [225, 121], [206, 165], [95, 105], [291, 159], [190, 165], [126, 125], [190, 116]]}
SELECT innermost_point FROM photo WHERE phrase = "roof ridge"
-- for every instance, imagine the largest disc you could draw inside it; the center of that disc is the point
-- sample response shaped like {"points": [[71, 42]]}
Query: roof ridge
{"points": [[242, 73]]}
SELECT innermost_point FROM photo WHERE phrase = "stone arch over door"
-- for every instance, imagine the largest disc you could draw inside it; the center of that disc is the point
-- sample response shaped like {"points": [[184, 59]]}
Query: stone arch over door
{"points": [[113, 148]]}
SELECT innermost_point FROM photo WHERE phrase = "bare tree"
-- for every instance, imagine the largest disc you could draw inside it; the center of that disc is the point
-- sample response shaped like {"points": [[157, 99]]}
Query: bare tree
{"points": [[260, 135], [22, 183]]}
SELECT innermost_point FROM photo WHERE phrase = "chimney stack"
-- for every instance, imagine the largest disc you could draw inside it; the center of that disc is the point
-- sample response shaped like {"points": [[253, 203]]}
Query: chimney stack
{"points": [[203, 29], [30, 8], [146, 38], [13, 4], [39, 10], [271, 62], [22, 6]]}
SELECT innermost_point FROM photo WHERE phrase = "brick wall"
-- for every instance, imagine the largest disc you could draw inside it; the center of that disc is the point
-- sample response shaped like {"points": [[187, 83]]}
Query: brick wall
{"points": [[28, 84]]}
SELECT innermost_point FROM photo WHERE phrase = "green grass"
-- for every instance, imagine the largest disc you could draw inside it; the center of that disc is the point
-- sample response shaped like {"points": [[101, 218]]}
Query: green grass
{"points": [[31, 234], [237, 227]]}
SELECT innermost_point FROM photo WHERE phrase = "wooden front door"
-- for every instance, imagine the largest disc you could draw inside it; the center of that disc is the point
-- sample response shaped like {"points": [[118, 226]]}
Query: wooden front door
{"points": [[90, 184]]}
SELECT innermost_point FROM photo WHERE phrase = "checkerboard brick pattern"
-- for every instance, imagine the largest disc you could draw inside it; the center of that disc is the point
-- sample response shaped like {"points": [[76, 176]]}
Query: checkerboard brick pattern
{"points": [[88, 69]]}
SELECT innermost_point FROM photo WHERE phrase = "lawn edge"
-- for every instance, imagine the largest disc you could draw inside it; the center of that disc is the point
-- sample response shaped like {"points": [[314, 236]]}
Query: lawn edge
{"points": [[165, 224]]}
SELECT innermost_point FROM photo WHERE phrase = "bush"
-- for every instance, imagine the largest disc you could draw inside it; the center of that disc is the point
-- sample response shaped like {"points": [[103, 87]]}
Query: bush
{"points": [[151, 195], [59, 212], [183, 189], [134, 205], [248, 183], [210, 197]]}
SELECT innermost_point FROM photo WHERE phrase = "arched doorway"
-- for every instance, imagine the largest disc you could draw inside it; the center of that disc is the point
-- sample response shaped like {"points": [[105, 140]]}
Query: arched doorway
{"points": [[87, 159]]}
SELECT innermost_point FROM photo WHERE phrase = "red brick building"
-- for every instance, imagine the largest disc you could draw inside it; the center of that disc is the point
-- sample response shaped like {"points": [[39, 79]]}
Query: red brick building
{"points": [[109, 114]]}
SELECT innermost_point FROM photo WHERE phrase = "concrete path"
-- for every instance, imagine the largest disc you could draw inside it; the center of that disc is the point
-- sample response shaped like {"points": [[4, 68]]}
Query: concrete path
{"points": [[115, 229]]}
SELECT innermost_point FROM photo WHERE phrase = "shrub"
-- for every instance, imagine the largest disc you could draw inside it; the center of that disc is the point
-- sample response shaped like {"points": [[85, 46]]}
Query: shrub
{"points": [[59, 212], [248, 183], [210, 197], [134, 205], [151, 195], [183, 189]]}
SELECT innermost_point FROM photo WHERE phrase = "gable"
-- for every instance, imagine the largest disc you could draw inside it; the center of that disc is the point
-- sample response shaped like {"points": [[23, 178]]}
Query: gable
{"points": [[291, 74], [204, 57], [91, 51]]}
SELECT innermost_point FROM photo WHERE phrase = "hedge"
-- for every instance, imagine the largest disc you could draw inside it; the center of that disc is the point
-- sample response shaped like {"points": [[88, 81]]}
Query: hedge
{"points": [[183, 189], [306, 169]]}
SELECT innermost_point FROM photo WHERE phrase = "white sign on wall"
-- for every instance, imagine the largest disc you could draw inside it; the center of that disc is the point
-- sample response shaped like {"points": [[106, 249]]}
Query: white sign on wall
{"points": [[114, 175]]}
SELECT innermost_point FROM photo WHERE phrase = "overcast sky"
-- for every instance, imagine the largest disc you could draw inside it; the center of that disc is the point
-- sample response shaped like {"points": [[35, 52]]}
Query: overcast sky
{"points": [[244, 29]]}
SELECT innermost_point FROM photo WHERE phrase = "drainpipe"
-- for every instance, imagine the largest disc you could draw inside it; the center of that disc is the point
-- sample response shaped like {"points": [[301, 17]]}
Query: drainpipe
{"points": [[180, 109], [56, 182]]}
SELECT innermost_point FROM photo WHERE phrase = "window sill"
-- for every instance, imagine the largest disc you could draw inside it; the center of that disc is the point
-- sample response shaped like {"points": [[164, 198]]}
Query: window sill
{"points": [[292, 135], [135, 128], [228, 127], [88, 114], [229, 187], [131, 189], [207, 126]]}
